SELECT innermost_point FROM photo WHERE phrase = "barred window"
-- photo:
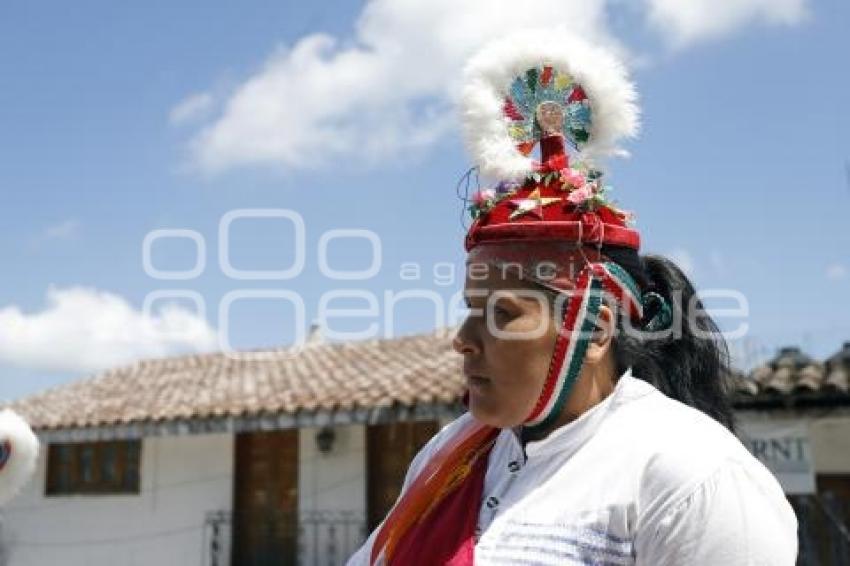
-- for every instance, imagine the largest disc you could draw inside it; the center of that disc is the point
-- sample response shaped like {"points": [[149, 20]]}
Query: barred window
{"points": [[93, 468]]}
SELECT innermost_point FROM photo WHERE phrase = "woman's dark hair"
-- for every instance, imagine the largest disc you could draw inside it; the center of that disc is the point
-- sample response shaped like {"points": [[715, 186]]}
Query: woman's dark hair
{"points": [[689, 364]]}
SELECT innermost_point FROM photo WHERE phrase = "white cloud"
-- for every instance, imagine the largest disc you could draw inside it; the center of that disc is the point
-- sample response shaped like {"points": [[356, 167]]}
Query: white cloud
{"points": [[378, 95], [718, 262], [683, 259], [387, 90], [836, 272], [61, 231], [191, 108], [683, 22], [84, 330]]}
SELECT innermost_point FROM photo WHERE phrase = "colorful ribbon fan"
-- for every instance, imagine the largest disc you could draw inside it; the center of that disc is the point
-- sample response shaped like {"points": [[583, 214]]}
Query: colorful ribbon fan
{"points": [[511, 84]]}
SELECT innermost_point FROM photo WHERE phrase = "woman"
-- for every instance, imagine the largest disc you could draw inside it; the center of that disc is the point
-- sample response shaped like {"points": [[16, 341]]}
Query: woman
{"points": [[598, 429]]}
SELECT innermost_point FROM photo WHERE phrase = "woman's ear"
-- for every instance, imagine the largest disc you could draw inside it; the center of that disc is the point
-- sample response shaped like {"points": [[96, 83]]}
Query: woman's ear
{"points": [[600, 341]]}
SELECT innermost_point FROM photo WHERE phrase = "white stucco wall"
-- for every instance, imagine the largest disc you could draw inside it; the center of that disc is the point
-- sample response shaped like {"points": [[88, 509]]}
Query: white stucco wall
{"points": [[328, 484], [182, 478], [185, 477], [337, 480], [829, 436]]}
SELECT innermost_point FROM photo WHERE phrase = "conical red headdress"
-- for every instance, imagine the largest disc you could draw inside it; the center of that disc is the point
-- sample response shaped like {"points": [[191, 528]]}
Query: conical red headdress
{"points": [[551, 91], [575, 102]]}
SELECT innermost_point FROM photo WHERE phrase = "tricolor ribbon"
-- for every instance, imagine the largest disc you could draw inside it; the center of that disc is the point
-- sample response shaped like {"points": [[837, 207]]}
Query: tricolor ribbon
{"points": [[578, 323]]}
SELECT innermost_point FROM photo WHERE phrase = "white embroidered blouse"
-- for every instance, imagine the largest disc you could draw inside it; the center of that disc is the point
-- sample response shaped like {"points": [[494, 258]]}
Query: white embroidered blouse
{"points": [[639, 479]]}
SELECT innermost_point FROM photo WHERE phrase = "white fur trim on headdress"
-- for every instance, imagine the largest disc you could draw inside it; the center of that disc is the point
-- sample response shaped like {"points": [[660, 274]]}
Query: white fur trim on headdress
{"points": [[21, 462], [488, 78]]}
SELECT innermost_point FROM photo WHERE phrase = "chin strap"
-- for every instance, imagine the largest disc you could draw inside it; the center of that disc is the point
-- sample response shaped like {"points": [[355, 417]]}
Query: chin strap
{"points": [[580, 316]]}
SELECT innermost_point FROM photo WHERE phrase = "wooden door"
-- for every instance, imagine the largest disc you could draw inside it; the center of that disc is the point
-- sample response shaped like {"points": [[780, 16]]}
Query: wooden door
{"points": [[389, 450], [834, 495], [823, 520], [265, 519]]}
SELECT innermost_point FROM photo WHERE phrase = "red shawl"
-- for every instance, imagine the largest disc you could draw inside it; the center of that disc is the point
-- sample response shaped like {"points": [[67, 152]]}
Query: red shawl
{"points": [[434, 521]]}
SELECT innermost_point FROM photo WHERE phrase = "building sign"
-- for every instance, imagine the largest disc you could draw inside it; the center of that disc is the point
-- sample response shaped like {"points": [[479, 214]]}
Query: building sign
{"points": [[782, 446]]}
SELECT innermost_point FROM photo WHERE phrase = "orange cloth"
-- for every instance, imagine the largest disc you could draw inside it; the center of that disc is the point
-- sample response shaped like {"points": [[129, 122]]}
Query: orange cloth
{"points": [[434, 520]]}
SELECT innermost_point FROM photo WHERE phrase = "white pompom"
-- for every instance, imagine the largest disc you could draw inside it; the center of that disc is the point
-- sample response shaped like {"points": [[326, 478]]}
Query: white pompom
{"points": [[18, 454]]}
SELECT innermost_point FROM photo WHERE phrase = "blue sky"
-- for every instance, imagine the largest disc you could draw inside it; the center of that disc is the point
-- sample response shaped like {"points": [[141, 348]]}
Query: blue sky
{"points": [[120, 120]]}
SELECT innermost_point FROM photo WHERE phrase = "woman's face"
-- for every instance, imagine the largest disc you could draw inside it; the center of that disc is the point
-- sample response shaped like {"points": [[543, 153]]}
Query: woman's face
{"points": [[507, 342]]}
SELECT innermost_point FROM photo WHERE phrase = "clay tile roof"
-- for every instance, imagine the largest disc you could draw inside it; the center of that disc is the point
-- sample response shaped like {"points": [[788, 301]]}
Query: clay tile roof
{"points": [[795, 378], [318, 376], [344, 377], [838, 370], [838, 379]]}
